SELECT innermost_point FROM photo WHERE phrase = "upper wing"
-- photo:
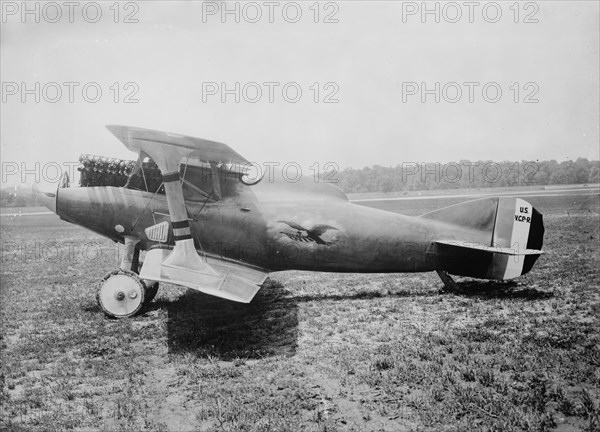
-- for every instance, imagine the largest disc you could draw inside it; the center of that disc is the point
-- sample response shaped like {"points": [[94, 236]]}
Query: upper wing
{"points": [[201, 150]]}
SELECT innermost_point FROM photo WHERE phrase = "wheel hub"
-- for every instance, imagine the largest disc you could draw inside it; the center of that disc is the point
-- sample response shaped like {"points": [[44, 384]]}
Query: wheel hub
{"points": [[121, 294]]}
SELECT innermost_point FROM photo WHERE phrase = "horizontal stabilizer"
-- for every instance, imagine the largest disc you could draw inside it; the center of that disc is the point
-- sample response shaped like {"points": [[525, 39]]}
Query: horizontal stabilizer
{"points": [[485, 262], [494, 249]]}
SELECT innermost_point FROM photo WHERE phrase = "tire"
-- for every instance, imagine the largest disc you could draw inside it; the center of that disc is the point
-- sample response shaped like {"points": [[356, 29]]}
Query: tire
{"points": [[121, 294]]}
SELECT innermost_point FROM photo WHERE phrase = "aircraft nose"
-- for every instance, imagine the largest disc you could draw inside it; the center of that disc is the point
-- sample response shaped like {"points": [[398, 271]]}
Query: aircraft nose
{"points": [[45, 195]]}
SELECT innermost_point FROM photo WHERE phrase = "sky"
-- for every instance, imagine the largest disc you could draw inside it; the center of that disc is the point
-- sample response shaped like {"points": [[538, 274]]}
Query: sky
{"points": [[369, 74]]}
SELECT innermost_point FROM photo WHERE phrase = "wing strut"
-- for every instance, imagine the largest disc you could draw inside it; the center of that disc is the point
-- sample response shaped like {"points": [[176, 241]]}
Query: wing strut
{"points": [[184, 255], [216, 179]]}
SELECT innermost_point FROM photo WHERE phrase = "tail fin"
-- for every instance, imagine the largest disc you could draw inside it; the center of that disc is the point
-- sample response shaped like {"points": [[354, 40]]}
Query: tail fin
{"points": [[515, 230]]}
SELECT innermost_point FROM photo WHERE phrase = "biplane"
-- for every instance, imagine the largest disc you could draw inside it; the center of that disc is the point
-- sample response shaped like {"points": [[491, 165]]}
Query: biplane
{"points": [[197, 219]]}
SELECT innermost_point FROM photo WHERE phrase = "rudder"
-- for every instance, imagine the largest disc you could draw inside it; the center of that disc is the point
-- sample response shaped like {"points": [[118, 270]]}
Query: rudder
{"points": [[519, 227]]}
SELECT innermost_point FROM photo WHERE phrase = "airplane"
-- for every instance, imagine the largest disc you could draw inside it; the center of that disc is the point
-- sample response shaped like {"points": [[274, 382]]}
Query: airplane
{"points": [[192, 209]]}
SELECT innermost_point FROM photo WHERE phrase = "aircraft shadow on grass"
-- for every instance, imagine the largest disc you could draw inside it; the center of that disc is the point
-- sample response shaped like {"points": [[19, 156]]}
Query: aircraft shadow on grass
{"points": [[209, 326], [268, 326], [467, 288], [364, 295], [500, 290]]}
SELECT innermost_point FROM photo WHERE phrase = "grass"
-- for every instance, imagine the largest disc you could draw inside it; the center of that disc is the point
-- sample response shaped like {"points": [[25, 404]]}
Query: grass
{"points": [[312, 352]]}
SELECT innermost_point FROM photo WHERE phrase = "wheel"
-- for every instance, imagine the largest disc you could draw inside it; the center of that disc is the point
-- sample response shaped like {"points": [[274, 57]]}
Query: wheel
{"points": [[121, 294]]}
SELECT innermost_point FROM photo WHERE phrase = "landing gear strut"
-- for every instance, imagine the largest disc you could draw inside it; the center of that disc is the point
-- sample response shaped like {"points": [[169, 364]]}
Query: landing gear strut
{"points": [[121, 292]]}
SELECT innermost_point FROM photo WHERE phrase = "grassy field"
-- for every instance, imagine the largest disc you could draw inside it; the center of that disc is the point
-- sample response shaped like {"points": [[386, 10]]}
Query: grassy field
{"points": [[313, 351]]}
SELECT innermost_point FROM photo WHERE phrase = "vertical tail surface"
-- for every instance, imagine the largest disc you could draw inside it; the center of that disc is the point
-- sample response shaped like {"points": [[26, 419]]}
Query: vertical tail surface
{"points": [[515, 230]]}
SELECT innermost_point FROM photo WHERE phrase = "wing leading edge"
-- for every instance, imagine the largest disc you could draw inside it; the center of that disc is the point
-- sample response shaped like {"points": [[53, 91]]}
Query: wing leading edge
{"points": [[137, 139]]}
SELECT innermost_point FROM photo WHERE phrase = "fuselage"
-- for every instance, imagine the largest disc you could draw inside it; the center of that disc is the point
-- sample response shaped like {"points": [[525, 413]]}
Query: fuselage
{"points": [[275, 226]]}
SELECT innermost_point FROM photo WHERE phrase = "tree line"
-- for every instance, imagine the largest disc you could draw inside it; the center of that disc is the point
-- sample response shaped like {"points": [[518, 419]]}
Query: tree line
{"points": [[413, 176]]}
